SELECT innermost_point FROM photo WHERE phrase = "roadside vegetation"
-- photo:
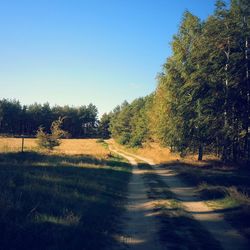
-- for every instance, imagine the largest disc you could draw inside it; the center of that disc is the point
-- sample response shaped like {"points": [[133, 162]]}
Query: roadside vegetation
{"points": [[59, 200], [224, 188], [176, 225]]}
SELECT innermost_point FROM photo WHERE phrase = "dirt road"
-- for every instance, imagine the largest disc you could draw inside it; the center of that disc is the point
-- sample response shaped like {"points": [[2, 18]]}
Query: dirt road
{"points": [[142, 225]]}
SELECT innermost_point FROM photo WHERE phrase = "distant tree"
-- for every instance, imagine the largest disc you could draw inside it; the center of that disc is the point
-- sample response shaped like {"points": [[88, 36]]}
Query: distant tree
{"points": [[10, 116], [16, 119], [129, 122], [120, 125], [104, 126]]}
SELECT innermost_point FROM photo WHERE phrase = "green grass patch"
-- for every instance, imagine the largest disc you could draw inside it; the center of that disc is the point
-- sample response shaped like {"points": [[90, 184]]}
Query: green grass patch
{"points": [[223, 203], [220, 197], [103, 143], [226, 189], [60, 202]]}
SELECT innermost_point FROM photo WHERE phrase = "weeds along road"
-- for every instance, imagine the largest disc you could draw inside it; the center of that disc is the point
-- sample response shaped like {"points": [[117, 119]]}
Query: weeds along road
{"points": [[201, 228]]}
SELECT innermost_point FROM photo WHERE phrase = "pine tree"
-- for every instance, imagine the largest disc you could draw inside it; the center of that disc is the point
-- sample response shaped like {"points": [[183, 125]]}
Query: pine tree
{"points": [[50, 141]]}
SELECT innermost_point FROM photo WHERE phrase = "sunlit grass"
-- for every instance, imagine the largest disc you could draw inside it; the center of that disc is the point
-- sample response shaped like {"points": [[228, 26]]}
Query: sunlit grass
{"points": [[223, 203], [226, 190], [160, 154], [68, 147], [15, 144], [219, 197]]}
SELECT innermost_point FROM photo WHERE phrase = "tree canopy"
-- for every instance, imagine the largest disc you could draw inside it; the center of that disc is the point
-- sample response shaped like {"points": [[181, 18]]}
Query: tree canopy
{"points": [[202, 98]]}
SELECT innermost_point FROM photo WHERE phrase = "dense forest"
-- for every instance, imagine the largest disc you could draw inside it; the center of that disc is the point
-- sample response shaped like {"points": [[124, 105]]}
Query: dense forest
{"points": [[17, 120], [202, 98]]}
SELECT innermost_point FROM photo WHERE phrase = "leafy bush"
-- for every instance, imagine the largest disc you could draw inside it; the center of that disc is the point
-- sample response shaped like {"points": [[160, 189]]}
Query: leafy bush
{"points": [[124, 138], [136, 141]]}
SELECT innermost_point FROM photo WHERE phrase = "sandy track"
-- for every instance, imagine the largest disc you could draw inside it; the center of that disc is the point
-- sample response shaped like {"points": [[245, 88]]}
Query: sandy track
{"points": [[223, 232], [140, 224]]}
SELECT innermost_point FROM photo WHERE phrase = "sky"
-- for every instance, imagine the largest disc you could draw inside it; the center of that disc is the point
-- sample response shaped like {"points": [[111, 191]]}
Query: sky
{"points": [[76, 52]]}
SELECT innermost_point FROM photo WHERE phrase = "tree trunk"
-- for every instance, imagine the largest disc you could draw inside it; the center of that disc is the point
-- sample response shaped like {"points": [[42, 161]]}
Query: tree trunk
{"points": [[246, 146], [200, 152], [235, 151], [248, 100]]}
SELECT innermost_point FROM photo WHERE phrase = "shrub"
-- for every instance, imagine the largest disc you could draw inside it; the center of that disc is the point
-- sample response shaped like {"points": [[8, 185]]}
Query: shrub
{"points": [[49, 141], [124, 138]]}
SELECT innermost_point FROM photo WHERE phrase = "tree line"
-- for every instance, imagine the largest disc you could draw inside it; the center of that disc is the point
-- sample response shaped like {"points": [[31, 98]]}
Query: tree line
{"points": [[203, 93], [17, 119]]}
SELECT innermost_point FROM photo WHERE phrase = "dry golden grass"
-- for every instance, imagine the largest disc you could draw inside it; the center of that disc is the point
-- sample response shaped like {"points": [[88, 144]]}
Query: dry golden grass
{"points": [[157, 153], [161, 154], [82, 146], [68, 146], [193, 159], [89, 147], [15, 144], [151, 151]]}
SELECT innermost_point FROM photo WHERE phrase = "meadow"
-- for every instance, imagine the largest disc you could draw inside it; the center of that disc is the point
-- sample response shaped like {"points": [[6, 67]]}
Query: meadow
{"points": [[70, 198]]}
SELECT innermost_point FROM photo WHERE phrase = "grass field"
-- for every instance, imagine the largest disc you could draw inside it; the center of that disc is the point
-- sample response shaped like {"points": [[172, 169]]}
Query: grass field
{"points": [[68, 146], [71, 198]]}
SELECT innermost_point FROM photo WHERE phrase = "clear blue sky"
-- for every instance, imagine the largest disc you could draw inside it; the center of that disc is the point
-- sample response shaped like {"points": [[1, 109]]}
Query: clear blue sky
{"points": [[80, 51]]}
